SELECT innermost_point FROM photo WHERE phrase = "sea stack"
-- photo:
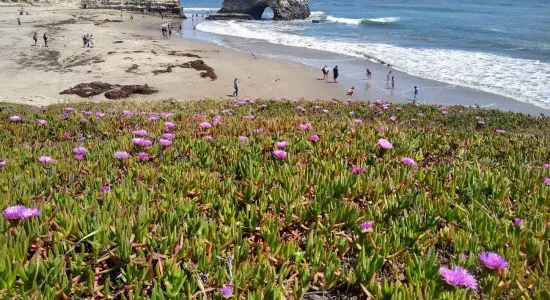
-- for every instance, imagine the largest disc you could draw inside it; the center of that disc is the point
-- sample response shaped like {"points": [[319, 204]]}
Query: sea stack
{"points": [[282, 9]]}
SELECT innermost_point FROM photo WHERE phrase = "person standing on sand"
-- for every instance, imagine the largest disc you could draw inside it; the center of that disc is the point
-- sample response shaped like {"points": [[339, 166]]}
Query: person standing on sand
{"points": [[35, 38], [369, 74], [335, 74], [84, 40], [388, 79], [131, 17], [392, 83], [325, 72], [91, 41], [236, 88], [19, 21], [415, 94], [45, 37]]}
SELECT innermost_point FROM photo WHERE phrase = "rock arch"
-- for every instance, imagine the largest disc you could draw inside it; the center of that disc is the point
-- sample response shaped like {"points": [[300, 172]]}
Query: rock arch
{"points": [[282, 9]]}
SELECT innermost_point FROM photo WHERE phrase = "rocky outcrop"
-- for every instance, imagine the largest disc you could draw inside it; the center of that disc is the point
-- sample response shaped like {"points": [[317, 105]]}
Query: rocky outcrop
{"points": [[155, 6], [282, 9]]}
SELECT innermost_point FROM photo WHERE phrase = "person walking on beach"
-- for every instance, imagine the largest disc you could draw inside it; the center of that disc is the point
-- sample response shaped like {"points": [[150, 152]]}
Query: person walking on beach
{"points": [[388, 79], [415, 94], [19, 21], [236, 88], [392, 83], [325, 72], [335, 74], [91, 40], [369, 74], [84, 40], [35, 38], [45, 37]]}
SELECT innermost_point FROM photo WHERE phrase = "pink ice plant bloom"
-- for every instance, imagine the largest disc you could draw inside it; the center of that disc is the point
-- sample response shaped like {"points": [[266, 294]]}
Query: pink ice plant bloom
{"points": [[393, 118], [280, 154], [518, 221], [154, 118], [69, 109], [409, 161], [357, 170], [207, 138], [2, 163], [143, 156], [384, 144], [217, 120], [165, 143], [78, 157], [306, 126], [249, 117], [366, 226], [168, 136], [15, 118], [122, 155], [166, 115], [458, 276], [80, 150], [86, 113], [45, 160], [41, 122], [226, 292], [282, 144], [492, 260], [127, 113], [142, 142], [547, 180], [99, 115], [105, 188], [205, 125], [547, 166], [357, 121], [243, 138], [314, 137], [169, 126], [20, 212], [372, 105], [140, 132], [500, 131]]}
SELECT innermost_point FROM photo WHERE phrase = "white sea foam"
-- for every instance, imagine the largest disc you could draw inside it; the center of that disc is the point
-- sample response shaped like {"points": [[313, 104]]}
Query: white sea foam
{"points": [[344, 20], [372, 21], [522, 79], [199, 9]]}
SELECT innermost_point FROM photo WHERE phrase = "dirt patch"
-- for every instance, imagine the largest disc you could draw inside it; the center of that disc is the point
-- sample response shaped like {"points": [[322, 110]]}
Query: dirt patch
{"points": [[178, 53], [112, 91], [59, 23], [132, 68], [107, 21], [198, 65]]}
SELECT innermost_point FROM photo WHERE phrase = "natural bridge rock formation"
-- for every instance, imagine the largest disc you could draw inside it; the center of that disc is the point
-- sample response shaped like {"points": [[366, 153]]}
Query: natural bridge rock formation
{"points": [[282, 9], [157, 6]]}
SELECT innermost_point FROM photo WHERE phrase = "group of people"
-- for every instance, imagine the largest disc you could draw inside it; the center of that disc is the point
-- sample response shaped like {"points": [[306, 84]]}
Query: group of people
{"points": [[335, 73], [44, 37], [88, 41]]}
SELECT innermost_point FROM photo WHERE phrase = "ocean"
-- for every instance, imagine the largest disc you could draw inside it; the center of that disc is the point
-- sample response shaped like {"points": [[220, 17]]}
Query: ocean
{"points": [[496, 46]]}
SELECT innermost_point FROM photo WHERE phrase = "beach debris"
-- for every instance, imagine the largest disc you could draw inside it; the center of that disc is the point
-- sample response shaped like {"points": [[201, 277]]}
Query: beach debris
{"points": [[126, 91], [112, 91], [198, 65], [132, 68]]}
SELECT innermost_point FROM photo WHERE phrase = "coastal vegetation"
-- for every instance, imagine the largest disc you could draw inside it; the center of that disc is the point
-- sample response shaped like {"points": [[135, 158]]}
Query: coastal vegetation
{"points": [[273, 199]]}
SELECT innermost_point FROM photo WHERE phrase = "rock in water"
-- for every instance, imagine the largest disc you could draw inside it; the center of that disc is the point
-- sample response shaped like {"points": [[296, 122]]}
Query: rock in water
{"points": [[282, 9]]}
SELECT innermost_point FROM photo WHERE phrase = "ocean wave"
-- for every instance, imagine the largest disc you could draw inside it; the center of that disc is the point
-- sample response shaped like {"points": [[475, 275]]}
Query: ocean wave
{"points": [[384, 20], [522, 79], [369, 21]]}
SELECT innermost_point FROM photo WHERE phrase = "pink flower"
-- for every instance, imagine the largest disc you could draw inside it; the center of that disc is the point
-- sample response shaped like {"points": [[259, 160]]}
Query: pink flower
{"points": [[547, 166], [143, 156], [217, 120], [409, 161], [357, 121], [168, 136], [166, 115], [78, 157], [306, 126], [280, 154], [2, 163], [547, 180], [80, 150], [83, 121], [458, 276], [41, 122], [351, 113], [393, 118], [314, 137], [492, 260], [366, 226], [165, 143], [86, 113], [243, 138], [20, 212], [500, 131], [518, 221], [281, 144], [45, 160], [385, 144], [226, 291], [169, 126], [142, 142], [372, 105], [154, 118], [249, 117], [127, 113], [15, 118], [379, 101], [140, 132], [207, 138], [122, 155], [99, 115], [357, 170], [69, 109], [205, 125]]}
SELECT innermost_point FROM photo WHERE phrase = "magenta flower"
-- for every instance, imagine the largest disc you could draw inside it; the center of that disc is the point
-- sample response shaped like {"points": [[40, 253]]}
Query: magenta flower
{"points": [[140, 132], [83, 121], [372, 105], [445, 112], [69, 109], [78, 157], [249, 117], [282, 144], [105, 188], [366, 226], [169, 126], [351, 113], [99, 115], [409, 161], [547, 166], [165, 143], [41, 122], [492, 260], [357, 121], [143, 156], [217, 120], [122, 155], [2, 163], [20, 212], [166, 115], [80, 150], [243, 138], [168, 136], [385, 144], [226, 291], [386, 106], [547, 180], [357, 170], [280, 154], [142, 142], [86, 113], [393, 119], [518, 221], [458, 276], [500, 131], [379, 101], [205, 125], [127, 113], [207, 138], [45, 160], [314, 137], [154, 118], [306, 126], [15, 118], [29, 212]]}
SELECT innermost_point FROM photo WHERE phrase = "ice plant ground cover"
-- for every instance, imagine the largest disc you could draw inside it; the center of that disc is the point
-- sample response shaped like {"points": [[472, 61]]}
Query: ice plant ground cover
{"points": [[219, 217]]}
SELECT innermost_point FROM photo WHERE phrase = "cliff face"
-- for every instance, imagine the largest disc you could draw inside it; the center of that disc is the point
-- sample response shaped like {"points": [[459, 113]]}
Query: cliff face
{"points": [[282, 9], [158, 6]]}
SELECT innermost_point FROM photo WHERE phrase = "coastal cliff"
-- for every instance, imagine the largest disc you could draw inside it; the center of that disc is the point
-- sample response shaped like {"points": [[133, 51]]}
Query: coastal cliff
{"points": [[282, 9], [156, 6]]}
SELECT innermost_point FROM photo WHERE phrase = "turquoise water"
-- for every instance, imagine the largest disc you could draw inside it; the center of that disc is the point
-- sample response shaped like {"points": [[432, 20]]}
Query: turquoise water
{"points": [[497, 46]]}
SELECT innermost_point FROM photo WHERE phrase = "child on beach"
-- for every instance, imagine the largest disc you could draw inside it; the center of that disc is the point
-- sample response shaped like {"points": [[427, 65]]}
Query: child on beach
{"points": [[236, 88], [335, 74], [351, 91], [369, 74]]}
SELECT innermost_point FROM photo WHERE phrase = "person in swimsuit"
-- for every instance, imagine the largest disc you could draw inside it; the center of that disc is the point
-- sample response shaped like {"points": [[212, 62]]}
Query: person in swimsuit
{"points": [[335, 74]]}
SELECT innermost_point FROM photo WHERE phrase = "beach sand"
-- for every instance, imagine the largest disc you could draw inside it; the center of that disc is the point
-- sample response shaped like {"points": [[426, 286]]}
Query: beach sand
{"points": [[126, 52]]}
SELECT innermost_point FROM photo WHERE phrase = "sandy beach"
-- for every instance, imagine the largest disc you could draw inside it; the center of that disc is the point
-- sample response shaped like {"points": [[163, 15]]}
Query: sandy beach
{"points": [[126, 52]]}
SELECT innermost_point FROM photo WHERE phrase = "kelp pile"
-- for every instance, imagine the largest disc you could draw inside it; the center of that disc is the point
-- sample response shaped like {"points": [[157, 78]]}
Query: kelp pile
{"points": [[273, 199]]}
